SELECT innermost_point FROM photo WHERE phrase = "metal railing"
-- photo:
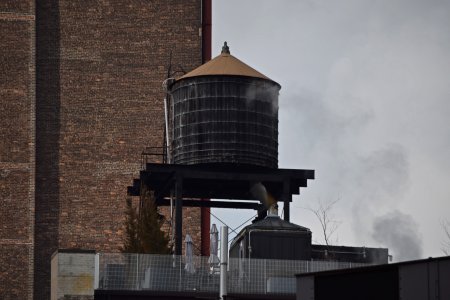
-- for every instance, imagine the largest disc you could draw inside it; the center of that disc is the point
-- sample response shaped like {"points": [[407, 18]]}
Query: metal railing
{"points": [[119, 271], [153, 154]]}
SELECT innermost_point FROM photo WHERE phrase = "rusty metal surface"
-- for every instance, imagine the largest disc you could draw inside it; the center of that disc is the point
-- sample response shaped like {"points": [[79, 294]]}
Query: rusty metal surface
{"points": [[225, 64]]}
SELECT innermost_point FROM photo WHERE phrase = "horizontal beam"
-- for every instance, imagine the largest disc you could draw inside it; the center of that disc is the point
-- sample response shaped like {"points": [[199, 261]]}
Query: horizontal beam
{"points": [[133, 191], [218, 204], [199, 172], [206, 182], [210, 189]]}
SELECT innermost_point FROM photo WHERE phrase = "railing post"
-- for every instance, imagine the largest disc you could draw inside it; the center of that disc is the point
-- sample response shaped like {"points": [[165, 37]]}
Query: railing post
{"points": [[223, 261], [137, 271], [287, 198], [96, 271], [265, 276]]}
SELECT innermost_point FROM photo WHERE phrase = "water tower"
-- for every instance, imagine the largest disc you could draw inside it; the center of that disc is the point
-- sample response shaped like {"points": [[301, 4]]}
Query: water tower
{"points": [[223, 138], [225, 112]]}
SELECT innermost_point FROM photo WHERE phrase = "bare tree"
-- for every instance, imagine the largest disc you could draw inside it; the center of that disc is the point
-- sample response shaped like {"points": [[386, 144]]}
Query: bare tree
{"points": [[446, 243], [324, 214]]}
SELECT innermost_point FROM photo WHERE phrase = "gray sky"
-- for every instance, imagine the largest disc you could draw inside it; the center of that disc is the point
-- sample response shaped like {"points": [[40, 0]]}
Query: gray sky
{"points": [[365, 101]]}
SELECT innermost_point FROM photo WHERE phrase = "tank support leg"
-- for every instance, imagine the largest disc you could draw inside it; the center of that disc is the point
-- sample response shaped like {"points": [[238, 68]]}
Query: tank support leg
{"points": [[178, 215], [287, 198]]}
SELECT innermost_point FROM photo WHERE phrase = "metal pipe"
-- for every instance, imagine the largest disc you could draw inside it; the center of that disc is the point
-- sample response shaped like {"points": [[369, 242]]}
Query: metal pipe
{"points": [[206, 13], [340, 252], [166, 123], [223, 261], [178, 215], [206, 16], [205, 223]]}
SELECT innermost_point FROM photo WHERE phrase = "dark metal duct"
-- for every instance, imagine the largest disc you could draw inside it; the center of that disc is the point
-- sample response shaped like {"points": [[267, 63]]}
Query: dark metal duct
{"points": [[225, 118]]}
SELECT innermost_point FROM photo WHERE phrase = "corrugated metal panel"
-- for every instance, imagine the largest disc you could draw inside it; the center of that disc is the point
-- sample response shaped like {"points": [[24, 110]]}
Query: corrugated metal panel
{"points": [[413, 282], [305, 288], [444, 279], [425, 281]]}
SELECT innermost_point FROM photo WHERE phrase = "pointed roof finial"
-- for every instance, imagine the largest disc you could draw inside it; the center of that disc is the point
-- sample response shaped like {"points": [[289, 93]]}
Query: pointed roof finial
{"points": [[225, 48]]}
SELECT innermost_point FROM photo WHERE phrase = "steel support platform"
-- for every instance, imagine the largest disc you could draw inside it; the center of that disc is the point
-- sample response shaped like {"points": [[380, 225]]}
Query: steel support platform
{"points": [[189, 184]]}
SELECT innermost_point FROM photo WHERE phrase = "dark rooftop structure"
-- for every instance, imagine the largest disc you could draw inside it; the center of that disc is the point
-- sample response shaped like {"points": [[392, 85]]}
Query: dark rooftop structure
{"points": [[411, 280], [272, 238]]}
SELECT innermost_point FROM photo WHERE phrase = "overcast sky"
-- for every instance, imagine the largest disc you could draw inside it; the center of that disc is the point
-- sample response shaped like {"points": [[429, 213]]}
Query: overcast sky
{"points": [[365, 101]]}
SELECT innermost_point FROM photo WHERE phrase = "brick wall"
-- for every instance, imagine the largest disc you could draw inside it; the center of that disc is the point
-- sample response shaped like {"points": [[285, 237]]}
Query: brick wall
{"points": [[191, 225], [113, 58], [17, 25], [100, 102], [71, 135]]}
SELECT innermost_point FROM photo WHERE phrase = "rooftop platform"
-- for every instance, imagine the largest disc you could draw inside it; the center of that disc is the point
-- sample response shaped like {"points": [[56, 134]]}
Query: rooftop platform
{"points": [[189, 184], [219, 182]]}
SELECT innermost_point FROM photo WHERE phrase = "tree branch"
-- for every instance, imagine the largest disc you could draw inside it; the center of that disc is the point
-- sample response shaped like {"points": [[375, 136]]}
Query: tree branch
{"points": [[326, 219], [446, 243]]}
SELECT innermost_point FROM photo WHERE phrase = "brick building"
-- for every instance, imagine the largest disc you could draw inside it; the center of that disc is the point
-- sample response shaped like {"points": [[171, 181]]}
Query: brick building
{"points": [[81, 97]]}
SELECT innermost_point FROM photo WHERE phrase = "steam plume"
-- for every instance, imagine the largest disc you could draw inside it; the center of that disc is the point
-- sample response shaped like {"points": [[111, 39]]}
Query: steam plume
{"points": [[259, 191], [399, 232]]}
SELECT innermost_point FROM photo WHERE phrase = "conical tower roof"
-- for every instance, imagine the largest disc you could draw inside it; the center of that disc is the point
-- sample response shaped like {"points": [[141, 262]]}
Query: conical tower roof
{"points": [[225, 64]]}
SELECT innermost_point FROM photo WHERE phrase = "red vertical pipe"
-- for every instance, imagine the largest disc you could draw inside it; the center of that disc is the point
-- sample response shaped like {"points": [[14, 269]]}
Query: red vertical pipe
{"points": [[206, 56], [205, 229], [206, 30]]}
